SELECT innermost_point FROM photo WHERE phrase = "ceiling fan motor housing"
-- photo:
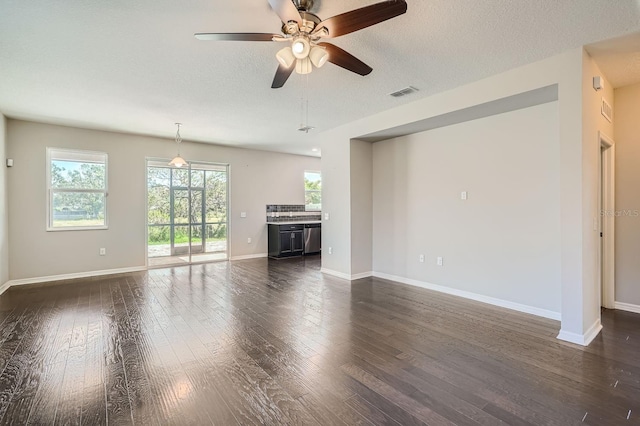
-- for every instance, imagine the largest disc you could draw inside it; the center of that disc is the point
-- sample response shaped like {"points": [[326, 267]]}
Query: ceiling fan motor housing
{"points": [[309, 23], [303, 5]]}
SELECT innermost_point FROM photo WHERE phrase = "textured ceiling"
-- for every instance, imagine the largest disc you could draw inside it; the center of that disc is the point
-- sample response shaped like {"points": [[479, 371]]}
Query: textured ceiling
{"points": [[134, 66], [619, 59]]}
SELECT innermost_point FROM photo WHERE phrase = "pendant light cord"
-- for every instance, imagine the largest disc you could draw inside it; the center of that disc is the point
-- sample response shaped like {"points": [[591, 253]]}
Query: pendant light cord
{"points": [[178, 137]]}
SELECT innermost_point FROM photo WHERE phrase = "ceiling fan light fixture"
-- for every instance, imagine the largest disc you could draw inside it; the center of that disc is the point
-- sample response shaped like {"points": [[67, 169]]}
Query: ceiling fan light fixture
{"points": [[318, 56], [303, 66], [301, 47], [285, 57]]}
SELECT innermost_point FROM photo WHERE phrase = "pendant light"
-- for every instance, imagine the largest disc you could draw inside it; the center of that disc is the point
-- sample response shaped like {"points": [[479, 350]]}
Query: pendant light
{"points": [[178, 161]]}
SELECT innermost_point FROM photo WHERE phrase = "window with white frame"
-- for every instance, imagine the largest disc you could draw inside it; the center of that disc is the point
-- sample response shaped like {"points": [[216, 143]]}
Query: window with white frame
{"points": [[312, 191], [77, 189]]}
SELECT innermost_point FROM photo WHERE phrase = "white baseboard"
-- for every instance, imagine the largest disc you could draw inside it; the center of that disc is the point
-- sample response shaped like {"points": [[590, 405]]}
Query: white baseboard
{"points": [[628, 307], [346, 276], [249, 256], [336, 274], [473, 296], [361, 276], [51, 278], [4, 287], [581, 339]]}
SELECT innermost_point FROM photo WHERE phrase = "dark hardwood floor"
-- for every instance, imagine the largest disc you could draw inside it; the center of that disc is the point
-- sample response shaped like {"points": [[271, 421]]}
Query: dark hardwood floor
{"points": [[276, 342]]}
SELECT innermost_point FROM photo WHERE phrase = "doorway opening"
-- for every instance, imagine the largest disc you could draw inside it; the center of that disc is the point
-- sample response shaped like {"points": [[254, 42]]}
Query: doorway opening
{"points": [[606, 201], [187, 213]]}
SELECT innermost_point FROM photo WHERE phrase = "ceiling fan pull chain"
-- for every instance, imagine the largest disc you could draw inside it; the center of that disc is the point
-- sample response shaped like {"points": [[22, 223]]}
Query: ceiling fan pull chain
{"points": [[306, 89], [301, 103]]}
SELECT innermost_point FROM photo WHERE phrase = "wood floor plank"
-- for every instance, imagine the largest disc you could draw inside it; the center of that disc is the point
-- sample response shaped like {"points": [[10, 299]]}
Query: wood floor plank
{"points": [[373, 414], [23, 374], [277, 342], [93, 393], [53, 356], [118, 404]]}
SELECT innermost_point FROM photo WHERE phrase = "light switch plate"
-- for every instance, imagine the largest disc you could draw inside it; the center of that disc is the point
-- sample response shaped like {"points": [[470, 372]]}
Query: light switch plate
{"points": [[243, 214]]}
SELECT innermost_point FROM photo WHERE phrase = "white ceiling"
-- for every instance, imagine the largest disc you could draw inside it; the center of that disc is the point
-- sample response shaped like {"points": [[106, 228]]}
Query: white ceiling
{"points": [[619, 59], [134, 66]]}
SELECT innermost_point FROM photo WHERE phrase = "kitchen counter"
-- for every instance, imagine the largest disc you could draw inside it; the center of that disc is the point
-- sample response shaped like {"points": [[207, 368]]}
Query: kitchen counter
{"points": [[294, 238]]}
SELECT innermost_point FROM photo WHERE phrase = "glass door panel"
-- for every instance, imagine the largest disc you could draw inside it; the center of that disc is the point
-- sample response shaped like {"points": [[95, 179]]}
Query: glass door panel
{"points": [[216, 210], [197, 221], [187, 213], [158, 211], [180, 222]]}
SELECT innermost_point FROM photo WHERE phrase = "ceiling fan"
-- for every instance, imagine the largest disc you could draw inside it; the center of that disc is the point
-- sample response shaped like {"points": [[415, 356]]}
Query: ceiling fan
{"points": [[304, 31]]}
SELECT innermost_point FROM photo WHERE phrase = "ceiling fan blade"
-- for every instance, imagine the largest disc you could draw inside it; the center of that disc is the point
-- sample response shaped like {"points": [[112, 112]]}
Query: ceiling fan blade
{"points": [[282, 75], [345, 59], [236, 36], [286, 10], [362, 18]]}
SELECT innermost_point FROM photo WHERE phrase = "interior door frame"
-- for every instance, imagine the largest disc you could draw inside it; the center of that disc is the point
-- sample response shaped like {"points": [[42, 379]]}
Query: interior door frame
{"points": [[607, 213]]}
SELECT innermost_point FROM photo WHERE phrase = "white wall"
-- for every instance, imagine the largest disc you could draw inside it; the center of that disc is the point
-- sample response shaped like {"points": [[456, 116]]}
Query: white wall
{"points": [[4, 214], [257, 178], [592, 122], [336, 202], [627, 141], [567, 72], [504, 241], [361, 207]]}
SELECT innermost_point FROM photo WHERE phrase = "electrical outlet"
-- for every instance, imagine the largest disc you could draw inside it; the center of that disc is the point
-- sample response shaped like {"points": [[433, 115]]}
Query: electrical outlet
{"points": [[440, 261], [326, 216], [330, 250], [421, 258], [248, 240], [243, 214], [464, 195], [103, 252]]}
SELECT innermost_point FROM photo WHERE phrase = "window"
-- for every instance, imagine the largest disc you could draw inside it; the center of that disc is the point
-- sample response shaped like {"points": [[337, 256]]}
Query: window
{"points": [[312, 191], [76, 189]]}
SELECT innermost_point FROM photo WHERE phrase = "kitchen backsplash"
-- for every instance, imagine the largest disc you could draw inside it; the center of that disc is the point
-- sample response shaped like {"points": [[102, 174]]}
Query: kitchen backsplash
{"points": [[289, 213]]}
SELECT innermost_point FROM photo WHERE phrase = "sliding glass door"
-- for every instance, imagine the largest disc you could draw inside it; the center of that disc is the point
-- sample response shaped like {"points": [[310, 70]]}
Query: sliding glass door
{"points": [[186, 213]]}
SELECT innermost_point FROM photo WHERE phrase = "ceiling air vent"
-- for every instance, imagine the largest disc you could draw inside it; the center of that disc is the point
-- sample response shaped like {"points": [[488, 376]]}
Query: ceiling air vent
{"points": [[607, 111], [404, 92]]}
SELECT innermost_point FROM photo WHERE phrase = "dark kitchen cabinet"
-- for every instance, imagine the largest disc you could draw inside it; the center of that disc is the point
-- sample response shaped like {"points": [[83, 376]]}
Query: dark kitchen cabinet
{"points": [[286, 240]]}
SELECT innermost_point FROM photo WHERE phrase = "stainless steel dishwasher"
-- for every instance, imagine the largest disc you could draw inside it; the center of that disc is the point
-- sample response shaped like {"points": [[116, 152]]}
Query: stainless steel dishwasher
{"points": [[312, 238]]}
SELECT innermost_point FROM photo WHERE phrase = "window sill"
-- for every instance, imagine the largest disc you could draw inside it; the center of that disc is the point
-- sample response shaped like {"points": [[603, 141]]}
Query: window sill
{"points": [[78, 228]]}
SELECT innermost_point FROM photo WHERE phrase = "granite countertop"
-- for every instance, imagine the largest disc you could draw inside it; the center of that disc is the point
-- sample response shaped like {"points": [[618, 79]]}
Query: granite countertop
{"points": [[295, 222]]}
